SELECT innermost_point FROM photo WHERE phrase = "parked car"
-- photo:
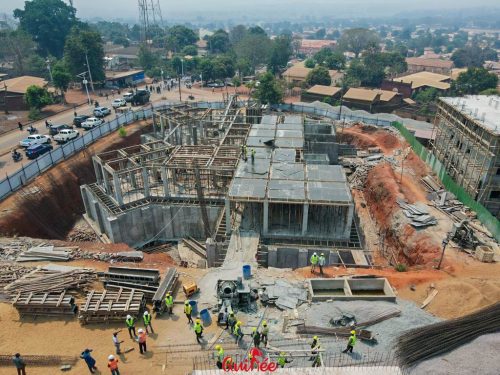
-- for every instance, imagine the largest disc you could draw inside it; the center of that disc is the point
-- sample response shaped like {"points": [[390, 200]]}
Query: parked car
{"points": [[35, 151], [101, 111], [92, 122], [128, 96], [215, 84], [66, 135], [117, 103], [141, 97], [34, 139], [55, 129], [77, 121]]}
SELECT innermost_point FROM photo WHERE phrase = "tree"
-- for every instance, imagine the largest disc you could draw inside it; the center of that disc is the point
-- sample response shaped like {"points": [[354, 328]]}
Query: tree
{"points": [[358, 40], [190, 50], [122, 41], [256, 30], [179, 36], [281, 50], [147, 59], [244, 68], [468, 57], [37, 97], [426, 96], [18, 47], [48, 22], [268, 91], [236, 34], [475, 80], [254, 48], [84, 43], [207, 69], [310, 63], [319, 76], [61, 77], [218, 42]]}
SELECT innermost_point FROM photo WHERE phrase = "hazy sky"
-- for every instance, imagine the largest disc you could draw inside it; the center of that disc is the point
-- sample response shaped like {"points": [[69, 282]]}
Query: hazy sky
{"points": [[171, 9]]}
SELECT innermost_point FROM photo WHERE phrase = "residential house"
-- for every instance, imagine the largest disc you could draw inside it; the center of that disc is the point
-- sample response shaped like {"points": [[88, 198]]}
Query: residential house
{"points": [[311, 46], [372, 100], [12, 92], [422, 64], [423, 80], [297, 75], [321, 93]]}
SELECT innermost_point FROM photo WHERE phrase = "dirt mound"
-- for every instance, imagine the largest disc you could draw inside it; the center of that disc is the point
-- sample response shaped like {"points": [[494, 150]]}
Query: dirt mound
{"points": [[363, 136]]}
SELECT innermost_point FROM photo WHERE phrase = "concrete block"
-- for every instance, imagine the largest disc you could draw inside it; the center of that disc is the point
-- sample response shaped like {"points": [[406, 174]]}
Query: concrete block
{"points": [[272, 257], [303, 258]]}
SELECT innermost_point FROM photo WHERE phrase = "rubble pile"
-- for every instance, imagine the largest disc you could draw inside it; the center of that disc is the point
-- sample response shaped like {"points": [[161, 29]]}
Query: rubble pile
{"points": [[417, 213]]}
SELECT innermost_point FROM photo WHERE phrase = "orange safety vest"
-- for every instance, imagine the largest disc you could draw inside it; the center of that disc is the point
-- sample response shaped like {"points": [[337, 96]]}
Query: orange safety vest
{"points": [[142, 338], [113, 365]]}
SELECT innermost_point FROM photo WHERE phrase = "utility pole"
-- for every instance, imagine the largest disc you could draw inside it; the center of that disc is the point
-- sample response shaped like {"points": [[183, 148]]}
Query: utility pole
{"points": [[50, 70], [90, 74], [85, 82], [180, 93], [445, 242]]}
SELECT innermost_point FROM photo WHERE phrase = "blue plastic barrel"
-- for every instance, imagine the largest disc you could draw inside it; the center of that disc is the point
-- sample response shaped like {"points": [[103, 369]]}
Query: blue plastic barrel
{"points": [[205, 317], [247, 271], [194, 306]]}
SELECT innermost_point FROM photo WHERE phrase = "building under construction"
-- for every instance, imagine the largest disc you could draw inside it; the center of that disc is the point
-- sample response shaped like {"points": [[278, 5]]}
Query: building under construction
{"points": [[201, 165], [467, 143]]}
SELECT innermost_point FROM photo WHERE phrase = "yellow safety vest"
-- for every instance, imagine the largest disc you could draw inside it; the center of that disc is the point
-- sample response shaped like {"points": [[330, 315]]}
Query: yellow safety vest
{"points": [[169, 301], [188, 309]]}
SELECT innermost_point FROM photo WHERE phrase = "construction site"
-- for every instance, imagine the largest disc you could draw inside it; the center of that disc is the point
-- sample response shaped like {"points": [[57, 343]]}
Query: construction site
{"points": [[227, 206]]}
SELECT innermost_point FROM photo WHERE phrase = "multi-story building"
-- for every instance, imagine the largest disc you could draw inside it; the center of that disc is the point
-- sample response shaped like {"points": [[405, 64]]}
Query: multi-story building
{"points": [[467, 143]]}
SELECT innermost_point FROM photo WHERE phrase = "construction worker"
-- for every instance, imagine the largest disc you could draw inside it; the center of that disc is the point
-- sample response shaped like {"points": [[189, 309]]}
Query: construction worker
{"points": [[117, 342], [252, 154], [131, 326], [265, 333], [147, 321], [20, 364], [230, 321], [351, 342], [245, 153], [219, 353], [282, 360], [321, 263], [255, 337], [188, 309], [314, 262], [113, 365], [169, 302], [142, 341], [198, 329], [89, 360], [314, 346], [317, 361], [237, 331]]}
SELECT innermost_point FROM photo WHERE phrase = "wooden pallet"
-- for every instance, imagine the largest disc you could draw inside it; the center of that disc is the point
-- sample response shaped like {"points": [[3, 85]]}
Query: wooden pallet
{"points": [[46, 304]]}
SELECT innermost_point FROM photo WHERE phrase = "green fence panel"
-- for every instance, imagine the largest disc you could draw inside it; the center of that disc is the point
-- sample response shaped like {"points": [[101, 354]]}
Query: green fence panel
{"points": [[484, 216]]}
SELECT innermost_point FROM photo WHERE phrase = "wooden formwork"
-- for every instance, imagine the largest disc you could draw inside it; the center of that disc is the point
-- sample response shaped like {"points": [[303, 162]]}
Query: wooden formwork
{"points": [[46, 304]]}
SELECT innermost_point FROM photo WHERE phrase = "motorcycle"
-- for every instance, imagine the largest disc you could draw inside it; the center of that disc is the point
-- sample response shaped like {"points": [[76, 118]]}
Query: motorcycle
{"points": [[32, 130], [16, 156]]}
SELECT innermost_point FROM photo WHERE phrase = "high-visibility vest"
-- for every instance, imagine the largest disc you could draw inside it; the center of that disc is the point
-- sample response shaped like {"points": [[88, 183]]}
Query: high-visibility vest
{"points": [[314, 259], [281, 360], [237, 330], [352, 340], [147, 319], [314, 344], [198, 328], [113, 365], [188, 309], [265, 331], [169, 301], [231, 319], [220, 354], [142, 338], [130, 322]]}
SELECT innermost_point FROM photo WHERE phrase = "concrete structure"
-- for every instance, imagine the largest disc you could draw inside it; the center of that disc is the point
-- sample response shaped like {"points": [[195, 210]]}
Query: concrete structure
{"points": [[371, 289], [467, 143], [422, 64], [282, 195], [127, 78], [12, 92], [321, 93]]}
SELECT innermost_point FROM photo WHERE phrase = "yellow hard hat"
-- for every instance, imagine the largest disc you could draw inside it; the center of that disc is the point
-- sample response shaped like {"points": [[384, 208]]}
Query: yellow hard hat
{"points": [[315, 337], [186, 302], [264, 323], [217, 347], [254, 329], [282, 353], [239, 322], [353, 332], [168, 294], [198, 321]]}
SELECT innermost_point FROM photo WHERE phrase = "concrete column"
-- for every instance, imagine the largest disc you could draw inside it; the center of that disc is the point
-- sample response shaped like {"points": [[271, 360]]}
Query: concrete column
{"points": [[98, 172], [228, 216], [105, 179], [162, 127], [190, 134], [265, 220], [195, 135], [145, 181], [349, 218], [211, 247], [98, 218], [305, 215], [118, 189], [85, 198], [165, 181], [133, 180]]}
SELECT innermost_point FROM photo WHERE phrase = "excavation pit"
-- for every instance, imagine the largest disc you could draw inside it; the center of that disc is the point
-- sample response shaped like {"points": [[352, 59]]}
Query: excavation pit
{"points": [[377, 289]]}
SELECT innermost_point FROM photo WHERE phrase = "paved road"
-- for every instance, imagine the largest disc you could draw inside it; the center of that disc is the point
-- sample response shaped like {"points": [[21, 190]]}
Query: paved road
{"points": [[11, 139]]}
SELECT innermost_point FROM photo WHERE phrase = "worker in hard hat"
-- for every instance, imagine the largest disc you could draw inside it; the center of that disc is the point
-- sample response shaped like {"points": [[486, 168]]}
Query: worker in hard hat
{"points": [[130, 322], [321, 263], [252, 154], [315, 345], [351, 342], [113, 365], [169, 302], [314, 262], [238, 333], [231, 321], [219, 353], [147, 321], [265, 333], [282, 360], [255, 337], [188, 309], [142, 341], [198, 330]]}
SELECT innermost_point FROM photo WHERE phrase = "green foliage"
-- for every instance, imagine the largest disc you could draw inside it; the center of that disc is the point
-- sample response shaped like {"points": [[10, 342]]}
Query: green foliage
{"points": [[358, 40], [373, 67], [18, 47], [122, 41], [61, 76], [473, 56], [426, 96], [492, 91], [190, 50], [330, 59], [474, 80], [254, 47], [117, 32], [244, 68], [34, 114], [281, 50], [48, 22], [319, 76], [269, 91], [180, 36], [236, 34], [236, 81], [122, 132], [309, 63], [83, 40], [147, 59], [37, 97], [400, 267], [218, 42]]}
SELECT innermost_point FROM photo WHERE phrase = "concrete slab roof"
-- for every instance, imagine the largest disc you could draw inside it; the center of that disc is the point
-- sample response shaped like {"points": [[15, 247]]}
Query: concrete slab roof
{"points": [[289, 142], [262, 133], [321, 191], [284, 155], [248, 188], [286, 190], [287, 171], [259, 169], [318, 172]]}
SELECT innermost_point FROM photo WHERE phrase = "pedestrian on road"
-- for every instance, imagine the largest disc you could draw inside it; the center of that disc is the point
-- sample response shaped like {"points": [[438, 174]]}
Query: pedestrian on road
{"points": [[198, 329], [19, 363], [147, 321], [188, 309], [351, 342], [142, 341], [47, 124], [20, 125], [107, 95], [321, 263], [131, 326], [117, 342], [87, 357], [113, 365], [74, 113]]}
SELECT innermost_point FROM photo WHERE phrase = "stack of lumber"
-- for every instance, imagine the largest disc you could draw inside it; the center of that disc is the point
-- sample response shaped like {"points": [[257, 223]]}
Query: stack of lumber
{"points": [[39, 360], [196, 246], [47, 304], [168, 284], [11, 272], [45, 281], [340, 332], [139, 279], [106, 306], [46, 253]]}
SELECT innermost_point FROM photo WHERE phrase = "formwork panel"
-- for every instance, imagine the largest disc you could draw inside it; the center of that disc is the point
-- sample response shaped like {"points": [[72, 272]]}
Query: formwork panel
{"points": [[333, 192], [259, 169], [286, 171], [284, 190], [245, 188], [325, 173]]}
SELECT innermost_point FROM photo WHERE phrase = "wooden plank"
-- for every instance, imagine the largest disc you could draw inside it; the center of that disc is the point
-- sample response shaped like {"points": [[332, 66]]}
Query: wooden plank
{"points": [[29, 298], [359, 257], [44, 298], [60, 299], [429, 298], [130, 300], [100, 300], [89, 299]]}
